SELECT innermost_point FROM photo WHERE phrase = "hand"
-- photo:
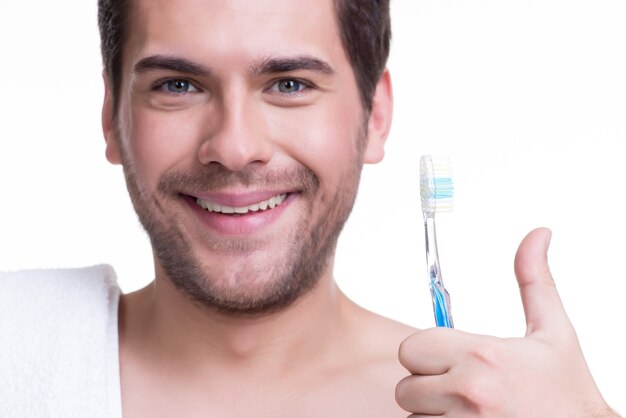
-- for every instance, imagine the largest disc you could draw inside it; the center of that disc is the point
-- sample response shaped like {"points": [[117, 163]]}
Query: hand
{"points": [[455, 374]]}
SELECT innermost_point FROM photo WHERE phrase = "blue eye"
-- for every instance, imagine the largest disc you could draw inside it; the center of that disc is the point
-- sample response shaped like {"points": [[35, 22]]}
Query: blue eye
{"points": [[288, 86], [178, 86]]}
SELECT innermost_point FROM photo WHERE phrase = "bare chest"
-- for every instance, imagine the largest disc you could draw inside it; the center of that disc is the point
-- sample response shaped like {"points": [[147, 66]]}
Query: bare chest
{"points": [[337, 397]]}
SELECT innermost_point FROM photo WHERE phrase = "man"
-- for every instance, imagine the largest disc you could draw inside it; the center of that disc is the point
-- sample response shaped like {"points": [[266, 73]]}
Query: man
{"points": [[242, 130]]}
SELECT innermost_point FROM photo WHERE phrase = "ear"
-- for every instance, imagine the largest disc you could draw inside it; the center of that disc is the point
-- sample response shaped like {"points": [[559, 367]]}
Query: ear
{"points": [[379, 121], [112, 151]]}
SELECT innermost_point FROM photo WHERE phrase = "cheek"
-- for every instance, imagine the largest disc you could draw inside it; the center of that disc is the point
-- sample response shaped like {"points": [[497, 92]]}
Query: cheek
{"points": [[159, 141], [323, 138]]}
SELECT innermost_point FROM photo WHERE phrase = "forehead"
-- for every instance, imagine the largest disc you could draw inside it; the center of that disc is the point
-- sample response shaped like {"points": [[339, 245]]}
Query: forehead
{"points": [[229, 32]]}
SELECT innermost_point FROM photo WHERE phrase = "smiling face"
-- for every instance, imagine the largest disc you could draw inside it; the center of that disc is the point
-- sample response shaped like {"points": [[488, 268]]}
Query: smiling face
{"points": [[242, 137]]}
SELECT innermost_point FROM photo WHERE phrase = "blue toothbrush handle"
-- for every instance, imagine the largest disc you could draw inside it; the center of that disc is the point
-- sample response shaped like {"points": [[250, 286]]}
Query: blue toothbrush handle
{"points": [[441, 304]]}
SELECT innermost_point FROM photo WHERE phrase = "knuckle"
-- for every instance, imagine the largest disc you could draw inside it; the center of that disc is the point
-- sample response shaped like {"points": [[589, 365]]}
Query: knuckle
{"points": [[569, 335], [477, 393], [489, 352]]}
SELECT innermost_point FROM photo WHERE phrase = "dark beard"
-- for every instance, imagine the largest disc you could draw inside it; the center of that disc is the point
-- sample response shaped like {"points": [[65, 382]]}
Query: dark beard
{"points": [[310, 248]]}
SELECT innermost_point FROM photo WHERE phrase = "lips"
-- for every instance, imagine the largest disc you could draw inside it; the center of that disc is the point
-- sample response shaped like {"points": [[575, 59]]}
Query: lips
{"points": [[262, 205], [238, 214]]}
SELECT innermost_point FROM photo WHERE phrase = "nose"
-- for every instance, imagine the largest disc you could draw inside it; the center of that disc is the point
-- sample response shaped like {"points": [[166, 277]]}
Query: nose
{"points": [[237, 136]]}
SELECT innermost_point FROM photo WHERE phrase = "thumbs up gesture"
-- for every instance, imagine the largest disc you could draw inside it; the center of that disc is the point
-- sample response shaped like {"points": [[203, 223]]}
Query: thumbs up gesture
{"points": [[542, 375]]}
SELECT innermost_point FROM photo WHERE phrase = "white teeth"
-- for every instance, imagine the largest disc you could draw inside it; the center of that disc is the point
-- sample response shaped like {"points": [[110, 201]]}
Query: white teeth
{"points": [[263, 205]]}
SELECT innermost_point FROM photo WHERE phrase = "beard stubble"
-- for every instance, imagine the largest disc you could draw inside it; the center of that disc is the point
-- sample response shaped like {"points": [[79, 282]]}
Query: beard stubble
{"points": [[306, 255]]}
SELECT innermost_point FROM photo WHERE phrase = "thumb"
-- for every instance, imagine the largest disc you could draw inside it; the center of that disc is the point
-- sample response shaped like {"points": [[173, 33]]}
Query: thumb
{"points": [[542, 304]]}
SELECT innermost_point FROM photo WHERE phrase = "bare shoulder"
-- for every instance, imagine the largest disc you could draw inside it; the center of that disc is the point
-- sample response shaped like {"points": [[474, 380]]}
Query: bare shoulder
{"points": [[380, 338], [383, 326], [371, 369], [379, 333]]}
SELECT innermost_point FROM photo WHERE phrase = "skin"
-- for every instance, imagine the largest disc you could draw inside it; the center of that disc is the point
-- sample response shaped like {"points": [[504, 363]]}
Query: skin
{"points": [[320, 355], [544, 374]]}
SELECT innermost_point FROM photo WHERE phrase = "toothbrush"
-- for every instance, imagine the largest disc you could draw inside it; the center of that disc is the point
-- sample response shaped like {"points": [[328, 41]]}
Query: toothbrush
{"points": [[436, 190]]}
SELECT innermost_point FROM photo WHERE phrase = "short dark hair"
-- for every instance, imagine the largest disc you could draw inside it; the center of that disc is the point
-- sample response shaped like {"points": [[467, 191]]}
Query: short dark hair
{"points": [[365, 29], [112, 16], [364, 26]]}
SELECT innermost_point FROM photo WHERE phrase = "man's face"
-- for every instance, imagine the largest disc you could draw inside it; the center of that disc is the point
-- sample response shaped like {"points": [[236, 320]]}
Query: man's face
{"points": [[242, 137]]}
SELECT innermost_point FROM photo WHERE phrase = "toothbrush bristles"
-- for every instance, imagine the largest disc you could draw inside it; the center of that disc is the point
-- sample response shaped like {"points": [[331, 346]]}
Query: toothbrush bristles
{"points": [[436, 187]]}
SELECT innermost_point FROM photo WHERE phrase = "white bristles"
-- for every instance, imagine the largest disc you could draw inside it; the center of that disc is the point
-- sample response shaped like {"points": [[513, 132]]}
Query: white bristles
{"points": [[436, 187]]}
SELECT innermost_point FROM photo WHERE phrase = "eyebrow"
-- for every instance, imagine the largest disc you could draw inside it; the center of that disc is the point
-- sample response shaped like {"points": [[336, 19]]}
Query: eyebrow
{"points": [[264, 66], [162, 62], [286, 64]]}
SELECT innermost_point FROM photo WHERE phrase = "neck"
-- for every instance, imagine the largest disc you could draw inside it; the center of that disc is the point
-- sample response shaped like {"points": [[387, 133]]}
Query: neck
{"points": [[160, 320]]}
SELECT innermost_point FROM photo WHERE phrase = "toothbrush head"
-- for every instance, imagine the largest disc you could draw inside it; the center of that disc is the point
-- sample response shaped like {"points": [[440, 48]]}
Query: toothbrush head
{"points": [[436, 188]]}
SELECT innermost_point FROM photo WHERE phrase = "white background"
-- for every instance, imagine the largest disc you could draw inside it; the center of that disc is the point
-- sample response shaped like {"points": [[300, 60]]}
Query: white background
{"points": [[527, 97]]}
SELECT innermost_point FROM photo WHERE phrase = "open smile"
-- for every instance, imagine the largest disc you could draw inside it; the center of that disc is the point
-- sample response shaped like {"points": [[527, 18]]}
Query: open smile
{"points": [[243, 214], [262, 205]]}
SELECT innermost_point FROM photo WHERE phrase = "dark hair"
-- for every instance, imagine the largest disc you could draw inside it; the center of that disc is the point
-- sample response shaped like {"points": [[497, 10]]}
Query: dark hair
{"points": [[364, 26], [112, 15], [365, 29]]}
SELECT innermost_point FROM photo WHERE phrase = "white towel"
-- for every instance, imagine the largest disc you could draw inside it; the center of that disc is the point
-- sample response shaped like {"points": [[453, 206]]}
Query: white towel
{"points": [[59, 344]]}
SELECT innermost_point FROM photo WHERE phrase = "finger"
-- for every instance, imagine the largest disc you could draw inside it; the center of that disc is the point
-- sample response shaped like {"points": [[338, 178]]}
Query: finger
{"points": [[424, 395], [432, 351], [542, 305]]}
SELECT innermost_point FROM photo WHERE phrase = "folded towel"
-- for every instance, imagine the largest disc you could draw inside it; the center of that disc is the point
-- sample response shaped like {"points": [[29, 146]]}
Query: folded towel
{"points": [[59, 344]]}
